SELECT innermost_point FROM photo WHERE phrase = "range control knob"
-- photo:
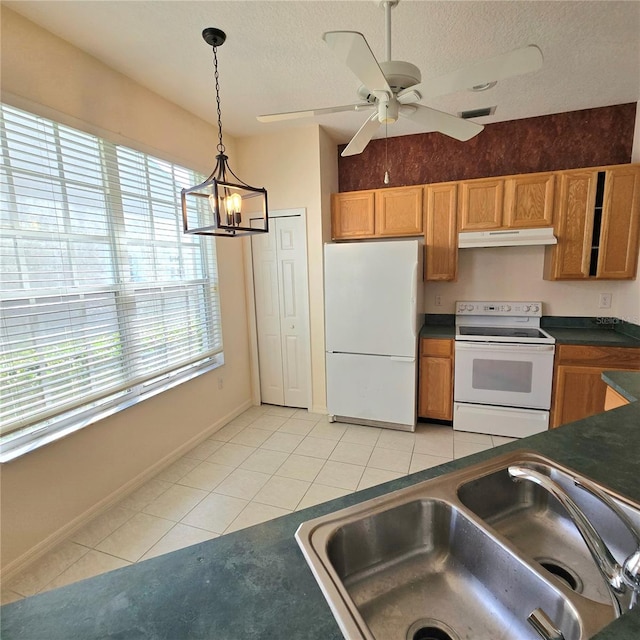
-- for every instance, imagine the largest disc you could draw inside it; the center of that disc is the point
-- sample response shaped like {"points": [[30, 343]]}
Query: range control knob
{"points": [[507, 308], [535, 308], [526, 308]]}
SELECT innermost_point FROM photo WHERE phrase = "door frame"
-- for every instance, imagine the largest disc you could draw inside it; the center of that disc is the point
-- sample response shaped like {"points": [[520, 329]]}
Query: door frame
{"points": [[254, 361]]}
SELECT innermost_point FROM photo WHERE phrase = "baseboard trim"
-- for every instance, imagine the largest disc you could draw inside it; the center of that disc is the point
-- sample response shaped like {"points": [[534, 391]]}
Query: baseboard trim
{"points": [[30, 556]]}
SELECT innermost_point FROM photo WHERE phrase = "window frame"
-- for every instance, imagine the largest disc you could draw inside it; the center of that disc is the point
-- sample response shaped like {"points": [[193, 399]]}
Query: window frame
{"points": [[52, 424]]}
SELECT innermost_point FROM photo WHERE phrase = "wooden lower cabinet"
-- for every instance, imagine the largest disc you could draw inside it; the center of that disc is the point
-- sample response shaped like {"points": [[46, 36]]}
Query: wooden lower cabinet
{"points": [[436, 379], [578, 388], [613, 400]]}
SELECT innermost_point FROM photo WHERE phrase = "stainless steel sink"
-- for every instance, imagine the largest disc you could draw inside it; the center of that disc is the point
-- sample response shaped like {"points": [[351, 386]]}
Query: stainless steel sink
{"points": [[462, 557], [539, 526]]}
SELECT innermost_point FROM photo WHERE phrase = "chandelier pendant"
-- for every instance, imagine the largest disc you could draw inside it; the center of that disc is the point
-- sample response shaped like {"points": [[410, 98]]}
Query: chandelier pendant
{"points": [[223, 205]]}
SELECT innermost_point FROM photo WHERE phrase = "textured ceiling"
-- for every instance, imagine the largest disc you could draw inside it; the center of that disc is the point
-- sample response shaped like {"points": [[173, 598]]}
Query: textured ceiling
{"points": [[275, 59]]}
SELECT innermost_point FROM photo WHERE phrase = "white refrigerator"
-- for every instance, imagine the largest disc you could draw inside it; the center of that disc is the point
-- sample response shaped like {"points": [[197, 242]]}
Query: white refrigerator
{"points": [[373, 312]]}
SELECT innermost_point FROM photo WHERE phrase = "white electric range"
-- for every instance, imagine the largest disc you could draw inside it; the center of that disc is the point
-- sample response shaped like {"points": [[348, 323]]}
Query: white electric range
{"points": [[503, 368]]}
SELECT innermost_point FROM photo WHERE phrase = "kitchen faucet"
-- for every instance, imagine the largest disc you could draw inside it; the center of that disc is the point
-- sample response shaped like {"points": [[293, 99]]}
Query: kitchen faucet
{"points": [[623, 580]]}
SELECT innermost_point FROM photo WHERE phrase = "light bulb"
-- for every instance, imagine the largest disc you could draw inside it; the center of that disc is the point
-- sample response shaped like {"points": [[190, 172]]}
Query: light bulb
{"points": [[386, 177], [233, 203]]}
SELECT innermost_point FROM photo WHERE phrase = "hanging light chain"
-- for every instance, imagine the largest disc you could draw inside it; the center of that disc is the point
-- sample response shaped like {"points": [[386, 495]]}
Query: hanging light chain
{"points": [[386, 148], [221, 147]]}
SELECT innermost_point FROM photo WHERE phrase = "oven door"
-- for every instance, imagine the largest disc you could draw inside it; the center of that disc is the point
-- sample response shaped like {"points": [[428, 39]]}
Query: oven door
{"points": [[504, 374]]}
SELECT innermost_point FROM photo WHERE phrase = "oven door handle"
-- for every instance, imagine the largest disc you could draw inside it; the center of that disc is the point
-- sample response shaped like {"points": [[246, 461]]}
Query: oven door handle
{"points": [[502, 347]]}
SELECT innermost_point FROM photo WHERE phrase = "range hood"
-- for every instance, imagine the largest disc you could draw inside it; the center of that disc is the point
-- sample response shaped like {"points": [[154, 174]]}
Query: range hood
{"points": [[506, 238]]}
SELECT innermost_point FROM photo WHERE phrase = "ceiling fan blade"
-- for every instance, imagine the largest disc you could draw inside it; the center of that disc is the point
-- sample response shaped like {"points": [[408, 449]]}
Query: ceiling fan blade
{"points": [[362, 138], [445, 123], [506, 65], [292, 115], [352, 48]]}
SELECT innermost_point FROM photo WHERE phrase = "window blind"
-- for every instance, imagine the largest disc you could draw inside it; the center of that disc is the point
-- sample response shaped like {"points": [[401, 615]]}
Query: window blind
{"points": [[102, 295]]}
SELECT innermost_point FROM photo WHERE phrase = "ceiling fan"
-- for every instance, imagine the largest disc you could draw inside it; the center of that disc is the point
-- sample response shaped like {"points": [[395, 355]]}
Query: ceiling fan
{"points": [[394, 88]]}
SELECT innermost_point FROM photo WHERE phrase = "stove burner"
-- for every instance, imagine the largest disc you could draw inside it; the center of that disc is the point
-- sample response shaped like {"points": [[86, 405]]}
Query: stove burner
{"points": [[503, 332]]}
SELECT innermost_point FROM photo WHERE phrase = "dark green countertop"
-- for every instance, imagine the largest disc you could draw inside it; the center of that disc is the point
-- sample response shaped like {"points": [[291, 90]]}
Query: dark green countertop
{"points": [[626, 383], [566, 330], [255, 584], [438, 331], [593, 337], [438, 325], [609, 332]]}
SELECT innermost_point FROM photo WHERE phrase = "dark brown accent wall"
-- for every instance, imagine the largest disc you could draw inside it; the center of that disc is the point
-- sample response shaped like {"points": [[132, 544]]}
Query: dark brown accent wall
{"points": [[586, 138]]}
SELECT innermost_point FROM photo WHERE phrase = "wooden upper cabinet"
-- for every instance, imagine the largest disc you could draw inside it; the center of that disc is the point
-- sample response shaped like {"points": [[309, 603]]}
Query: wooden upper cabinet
{"points": [[481, 204], [618, 246], [528, 201], [575, 205], [398, 212], [515, 202], [595, 213], [441, 232], [353, 215], [597, 225]]}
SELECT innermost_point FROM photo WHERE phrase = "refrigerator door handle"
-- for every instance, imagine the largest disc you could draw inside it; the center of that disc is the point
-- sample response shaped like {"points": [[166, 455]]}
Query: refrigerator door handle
{"points": [[413, 312]]}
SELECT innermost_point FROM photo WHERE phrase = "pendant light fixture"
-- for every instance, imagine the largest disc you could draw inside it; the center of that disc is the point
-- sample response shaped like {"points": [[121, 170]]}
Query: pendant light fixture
{"points": [[220, 207]]}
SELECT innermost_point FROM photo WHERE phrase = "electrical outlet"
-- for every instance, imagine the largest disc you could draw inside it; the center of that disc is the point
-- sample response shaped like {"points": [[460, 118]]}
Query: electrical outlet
{"points": [[220, 383], [437, 301], [605, 301]]}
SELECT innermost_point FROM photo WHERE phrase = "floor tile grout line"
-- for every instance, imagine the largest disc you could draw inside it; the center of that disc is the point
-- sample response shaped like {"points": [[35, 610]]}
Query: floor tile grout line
{"points": [[256, 415], [89, 549]]}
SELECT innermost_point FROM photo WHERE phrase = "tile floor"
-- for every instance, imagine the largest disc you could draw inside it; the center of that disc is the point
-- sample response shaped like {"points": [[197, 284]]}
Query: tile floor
{"points": [[267, 462]]}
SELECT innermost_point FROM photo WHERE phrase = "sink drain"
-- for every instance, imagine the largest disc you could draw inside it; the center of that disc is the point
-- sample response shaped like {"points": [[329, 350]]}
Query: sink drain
{"points": [[429, 629], [563, 573]]}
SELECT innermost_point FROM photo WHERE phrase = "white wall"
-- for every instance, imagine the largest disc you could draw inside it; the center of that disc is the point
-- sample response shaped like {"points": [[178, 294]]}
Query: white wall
{"points": [[289, 164], [515, 273], [49, 491]]}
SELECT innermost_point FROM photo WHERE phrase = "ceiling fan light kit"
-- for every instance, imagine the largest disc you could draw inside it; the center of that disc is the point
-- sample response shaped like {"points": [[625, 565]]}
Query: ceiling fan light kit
{"points": [[395, 88], [222, 207]]}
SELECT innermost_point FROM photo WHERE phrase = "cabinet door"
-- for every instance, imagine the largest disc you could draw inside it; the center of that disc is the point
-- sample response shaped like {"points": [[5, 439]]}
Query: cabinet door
{"points": [[441, 232], [576, 196], [528, 200], [481, 204], [436, 384], [353, 215], [399, 212], [618, 253], [436, 379], [579, 393]]}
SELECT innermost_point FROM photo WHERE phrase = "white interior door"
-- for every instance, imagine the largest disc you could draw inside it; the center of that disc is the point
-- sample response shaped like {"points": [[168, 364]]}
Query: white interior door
{"points": [[282, 311]]}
